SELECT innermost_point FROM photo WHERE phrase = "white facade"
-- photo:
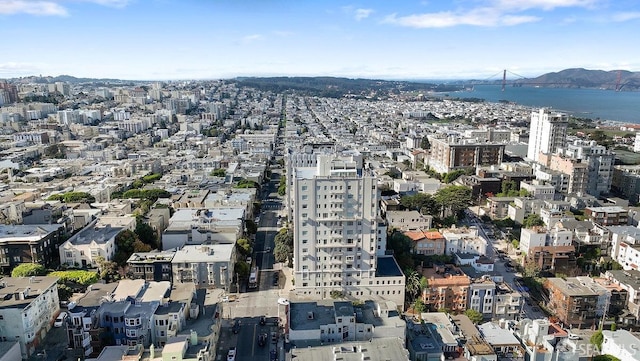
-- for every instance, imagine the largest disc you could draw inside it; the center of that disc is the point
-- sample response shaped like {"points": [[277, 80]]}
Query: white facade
{"points": [[338, 232], [464, 240], [547, 133], [28, 314], [530, 238], [621, 344]]}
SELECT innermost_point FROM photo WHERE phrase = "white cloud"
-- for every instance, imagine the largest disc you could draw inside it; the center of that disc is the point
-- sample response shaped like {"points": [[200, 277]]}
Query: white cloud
{"points": [[50, 7], [491, 13], [362, 13], [40, 8], [19, 69], [252, 37], [475, 17], [626, 16]]}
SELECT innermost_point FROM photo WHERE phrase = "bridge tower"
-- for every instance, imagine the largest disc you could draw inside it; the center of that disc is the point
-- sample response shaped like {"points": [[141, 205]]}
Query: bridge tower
{"points": [[504, 79]]}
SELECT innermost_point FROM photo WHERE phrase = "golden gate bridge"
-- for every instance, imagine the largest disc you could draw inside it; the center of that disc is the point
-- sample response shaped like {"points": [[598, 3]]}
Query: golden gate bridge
{"points": [[522, 80]]}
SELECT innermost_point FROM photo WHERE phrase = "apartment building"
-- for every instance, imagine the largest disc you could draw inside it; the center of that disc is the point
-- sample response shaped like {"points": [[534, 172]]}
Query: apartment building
{"points": [[453, 153], [204, 226], [339, 237], [152, 266], [630, 282], [206, 266], [575, 170], [448, 289], [625, 246], [560, 259], [499, 206], [547, 132], [464, 240], [28, 307], [482, 296], [408, 220], [608, 216], [28, 244], [572, 302]]}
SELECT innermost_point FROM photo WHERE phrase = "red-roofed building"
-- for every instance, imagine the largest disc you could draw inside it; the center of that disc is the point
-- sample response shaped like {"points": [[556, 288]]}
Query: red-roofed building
{"points": [[427, 243]]}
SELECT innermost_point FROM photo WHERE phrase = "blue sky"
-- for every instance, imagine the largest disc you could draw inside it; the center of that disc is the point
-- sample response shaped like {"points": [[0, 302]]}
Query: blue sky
{"points": [[207, 39]]}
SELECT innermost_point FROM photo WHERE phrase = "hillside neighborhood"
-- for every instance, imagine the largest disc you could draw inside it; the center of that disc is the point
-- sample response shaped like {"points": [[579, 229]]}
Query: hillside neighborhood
{"points": [[203, 220]]}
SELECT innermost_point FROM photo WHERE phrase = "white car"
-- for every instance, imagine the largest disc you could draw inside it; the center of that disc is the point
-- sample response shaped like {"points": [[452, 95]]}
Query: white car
{"points": [[231, 355], [60, 320]]}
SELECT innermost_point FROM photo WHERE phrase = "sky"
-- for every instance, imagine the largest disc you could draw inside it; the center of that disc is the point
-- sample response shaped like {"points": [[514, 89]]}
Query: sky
{"points": [[401, 39]]}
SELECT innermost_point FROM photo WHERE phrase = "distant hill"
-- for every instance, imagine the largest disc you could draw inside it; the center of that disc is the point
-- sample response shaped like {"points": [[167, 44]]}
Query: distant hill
{"points": [[584, 78], [338, 87], [68, 79]]}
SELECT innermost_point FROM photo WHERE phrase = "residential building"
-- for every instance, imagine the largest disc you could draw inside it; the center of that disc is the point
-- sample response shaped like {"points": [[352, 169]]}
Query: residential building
{"points": [[341, 321], [464, 240], [339, 237], [28, 307], [408, 220], [557, 259], [504, 342], [508, 303], [499, 206], [475, 348], [427, 243], [454, 153], [152, 266], [482, 296], [532, 237], [36, 243], [206, 266], [204, 226], [576, 172], [630, 282], [448, 289], [95, 240], [608, 216], [600, 162], [547, 132], [538, 190], [522, 207], [621, 344], [434, 337], [572, 302], [625, 246]]}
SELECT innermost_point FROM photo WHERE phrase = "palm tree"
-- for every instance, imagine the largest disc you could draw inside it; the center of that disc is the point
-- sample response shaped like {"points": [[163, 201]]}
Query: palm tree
{"points": [[413, 284]]}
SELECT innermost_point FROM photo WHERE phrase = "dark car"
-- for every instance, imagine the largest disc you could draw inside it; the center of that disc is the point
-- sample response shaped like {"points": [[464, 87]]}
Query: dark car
{"points": [[263, 320], [236, 327], [262, 339], [274, 337], [273, 355]]}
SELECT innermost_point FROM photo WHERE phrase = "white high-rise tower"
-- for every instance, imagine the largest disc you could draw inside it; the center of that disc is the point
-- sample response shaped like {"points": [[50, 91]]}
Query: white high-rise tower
{"points": [[548, 132], [339, 237]]}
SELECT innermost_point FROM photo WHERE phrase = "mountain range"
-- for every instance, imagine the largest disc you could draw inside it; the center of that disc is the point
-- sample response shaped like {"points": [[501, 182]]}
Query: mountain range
{"points": [[619, 80]]}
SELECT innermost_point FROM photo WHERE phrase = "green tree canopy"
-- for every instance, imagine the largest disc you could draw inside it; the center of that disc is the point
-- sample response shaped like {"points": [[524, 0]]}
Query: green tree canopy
{"points": [[28, 270], [80, 277], [243, 246], [532, 220], [402, 248], [419, 306], [283, 251], [475, 316], [220, 172], [454, 198], [73, 197], [108, 269], [242, 269], [145, 232], [596, 339], [125, 243], [424, 143], [423, 203]]}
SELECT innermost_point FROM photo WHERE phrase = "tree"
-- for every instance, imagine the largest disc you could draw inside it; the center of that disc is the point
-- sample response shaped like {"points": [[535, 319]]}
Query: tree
{"points": [[605, 358], [423, 203], [596, 339], [454, 199], [419, 306], [108, 269], [475, 316], [412, 285], [283, 250], [145, 233], [220, 172], [532, 220], [243, 246], [453, 175], [28, 270], [139, 246], [125, 246], [424, 143], [402, 247], [251, 226], [64, 292], [515, 244], [613, 326], [242, 269]]}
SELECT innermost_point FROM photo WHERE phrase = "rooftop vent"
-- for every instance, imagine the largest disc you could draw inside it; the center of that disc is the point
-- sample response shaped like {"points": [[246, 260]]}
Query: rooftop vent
{"points": [[310, 315]]}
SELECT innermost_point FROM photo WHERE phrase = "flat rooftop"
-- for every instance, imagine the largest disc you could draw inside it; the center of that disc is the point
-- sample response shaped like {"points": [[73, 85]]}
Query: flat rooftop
{"points": [[379, 349], [388, 267]]}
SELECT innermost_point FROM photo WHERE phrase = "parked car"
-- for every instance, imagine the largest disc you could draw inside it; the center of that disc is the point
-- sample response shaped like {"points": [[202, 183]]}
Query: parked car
{"points": [[274, 337], [231, 355], [263, 321], [262, 339], [236, 327], [60, 320]]}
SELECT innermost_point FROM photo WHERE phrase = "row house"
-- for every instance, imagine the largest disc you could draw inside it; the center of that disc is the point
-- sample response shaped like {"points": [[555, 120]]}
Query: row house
{"points": [[36, 243], [151, 266], [205, 266], [630, 282]]}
